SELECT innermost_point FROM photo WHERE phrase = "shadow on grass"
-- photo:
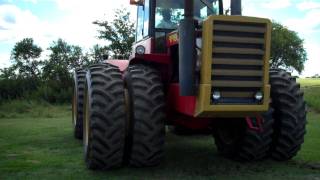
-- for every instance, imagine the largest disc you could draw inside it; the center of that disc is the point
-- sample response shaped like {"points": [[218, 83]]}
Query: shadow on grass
{"points": [[196, 156]]}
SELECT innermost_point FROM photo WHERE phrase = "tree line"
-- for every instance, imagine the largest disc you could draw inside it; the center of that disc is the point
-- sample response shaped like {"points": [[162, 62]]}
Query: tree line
{"points": [[33, 75], [49, 78]]}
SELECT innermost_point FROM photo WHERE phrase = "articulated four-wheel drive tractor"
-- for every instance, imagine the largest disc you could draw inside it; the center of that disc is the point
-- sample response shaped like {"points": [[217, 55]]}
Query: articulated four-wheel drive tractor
{"points": [[192, 68]]}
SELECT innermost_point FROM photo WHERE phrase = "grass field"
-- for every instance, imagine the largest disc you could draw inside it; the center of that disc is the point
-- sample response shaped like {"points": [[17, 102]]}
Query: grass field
{"points": [[311, 88], [36, 142]]}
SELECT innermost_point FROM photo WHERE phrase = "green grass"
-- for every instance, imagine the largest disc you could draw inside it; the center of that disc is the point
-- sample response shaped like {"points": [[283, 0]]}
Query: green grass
{"points": [[311, 89], [36, 109], [44, 148], [307, 82]]}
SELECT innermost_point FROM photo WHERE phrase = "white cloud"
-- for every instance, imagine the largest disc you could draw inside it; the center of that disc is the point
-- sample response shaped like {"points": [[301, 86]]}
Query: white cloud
{"points": [[17, 24], [253, 8], [313, 64], [307, 5], [4, 60], [277, 4], [23, 24], [307, 24], [32, 1], [307, 27], [75, 27], [93, 9]]}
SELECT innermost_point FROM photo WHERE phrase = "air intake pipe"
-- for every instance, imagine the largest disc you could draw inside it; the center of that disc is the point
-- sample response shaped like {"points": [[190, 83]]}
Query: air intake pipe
{"points": [[187, 51], [236, 8]]}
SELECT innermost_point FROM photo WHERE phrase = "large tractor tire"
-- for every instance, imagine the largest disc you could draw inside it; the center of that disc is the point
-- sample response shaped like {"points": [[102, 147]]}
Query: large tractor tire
{"points": [[104, 117], [235, 140], [147, 116], [77, 102], [289, 115]]}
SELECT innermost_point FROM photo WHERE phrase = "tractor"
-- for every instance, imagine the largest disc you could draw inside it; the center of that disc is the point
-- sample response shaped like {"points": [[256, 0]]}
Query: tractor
{"points": [[192, 68]]}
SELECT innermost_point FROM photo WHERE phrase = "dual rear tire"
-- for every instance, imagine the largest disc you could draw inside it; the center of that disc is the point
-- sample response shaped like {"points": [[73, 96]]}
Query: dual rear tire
{"points": [[123, 119]]}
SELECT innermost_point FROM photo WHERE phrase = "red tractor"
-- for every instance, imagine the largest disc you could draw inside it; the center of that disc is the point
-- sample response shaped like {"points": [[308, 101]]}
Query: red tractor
{"points": [[193, 68]]}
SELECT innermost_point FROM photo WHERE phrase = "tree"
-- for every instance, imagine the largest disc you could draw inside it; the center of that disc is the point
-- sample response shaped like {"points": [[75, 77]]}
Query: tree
{"points": [[25, 55], [316, 76], [98, 53], [62, 60], [64, 56], [57, 71], [7, 73], [287, 49], [119, 32]]}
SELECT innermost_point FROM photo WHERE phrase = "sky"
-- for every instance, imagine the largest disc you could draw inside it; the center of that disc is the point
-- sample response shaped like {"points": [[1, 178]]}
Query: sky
{"points": [[47, 20]]}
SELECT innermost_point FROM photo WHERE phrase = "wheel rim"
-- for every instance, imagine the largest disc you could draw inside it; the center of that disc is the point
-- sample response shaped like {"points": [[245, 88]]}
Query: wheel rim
{"points": [[86, 119]]}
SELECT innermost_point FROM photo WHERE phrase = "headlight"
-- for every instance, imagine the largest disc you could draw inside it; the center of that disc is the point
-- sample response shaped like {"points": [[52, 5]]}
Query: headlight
{"points": [[216, 95], [140, 50], [258, 96]]}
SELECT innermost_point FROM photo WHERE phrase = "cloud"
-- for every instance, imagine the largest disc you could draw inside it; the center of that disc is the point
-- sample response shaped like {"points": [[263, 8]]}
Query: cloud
{"points": [[93, 9], [17, 24], [313, 64], [32, 1], [277, 4], [4, 60], [306, 24], [75, 25], [9, 18], [308, 5]]}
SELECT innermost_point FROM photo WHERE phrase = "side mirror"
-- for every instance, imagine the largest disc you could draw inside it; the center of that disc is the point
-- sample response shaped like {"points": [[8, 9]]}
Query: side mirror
{"points": [[137, 2]]}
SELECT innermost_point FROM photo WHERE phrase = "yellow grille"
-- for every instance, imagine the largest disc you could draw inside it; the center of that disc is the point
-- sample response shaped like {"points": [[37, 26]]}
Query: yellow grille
{"points": [[237, 61], [234, 61]]}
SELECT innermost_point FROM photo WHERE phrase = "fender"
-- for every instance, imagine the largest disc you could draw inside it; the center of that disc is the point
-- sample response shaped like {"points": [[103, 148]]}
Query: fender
{"points": [[120, 63]]}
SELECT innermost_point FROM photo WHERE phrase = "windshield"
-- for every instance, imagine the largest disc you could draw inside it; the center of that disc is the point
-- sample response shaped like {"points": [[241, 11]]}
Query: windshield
{"points": [[169, 13]]}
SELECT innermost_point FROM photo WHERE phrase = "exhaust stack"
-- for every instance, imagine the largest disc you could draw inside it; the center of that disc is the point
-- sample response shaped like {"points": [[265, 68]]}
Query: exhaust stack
{"points": [[236, 8], [187, 51]]}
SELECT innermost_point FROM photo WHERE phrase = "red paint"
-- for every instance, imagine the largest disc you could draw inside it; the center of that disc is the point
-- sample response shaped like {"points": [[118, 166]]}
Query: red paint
{"points": [[259, 122], [121, 64], [182, 104]]}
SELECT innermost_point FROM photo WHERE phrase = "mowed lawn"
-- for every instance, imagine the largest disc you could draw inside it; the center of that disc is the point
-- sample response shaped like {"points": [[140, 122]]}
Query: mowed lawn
{"points": [[36, 142], [311, 88]]}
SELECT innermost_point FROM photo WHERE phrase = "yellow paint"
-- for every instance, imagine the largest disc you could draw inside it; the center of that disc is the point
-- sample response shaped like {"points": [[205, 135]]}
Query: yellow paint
{"points": [[203, 106], [173, 38]]}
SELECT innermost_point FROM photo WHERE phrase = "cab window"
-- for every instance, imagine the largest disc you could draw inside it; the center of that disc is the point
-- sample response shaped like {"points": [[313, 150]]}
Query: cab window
{"points": [[143, 21], [140, 18], [169, 13]]}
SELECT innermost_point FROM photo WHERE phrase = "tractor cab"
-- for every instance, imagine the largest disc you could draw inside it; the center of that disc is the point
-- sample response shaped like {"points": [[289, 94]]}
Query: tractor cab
{"points": [[157, 18]]}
